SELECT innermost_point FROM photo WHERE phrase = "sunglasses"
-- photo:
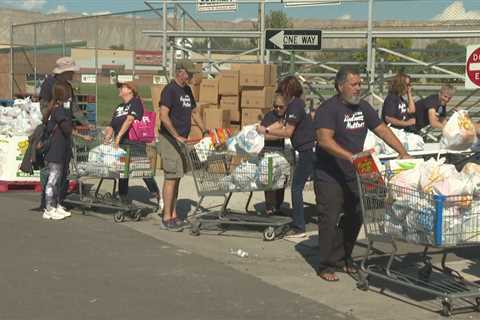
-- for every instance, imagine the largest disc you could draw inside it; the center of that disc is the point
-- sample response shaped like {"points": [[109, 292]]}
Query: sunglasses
{"points": [[276, 106]]}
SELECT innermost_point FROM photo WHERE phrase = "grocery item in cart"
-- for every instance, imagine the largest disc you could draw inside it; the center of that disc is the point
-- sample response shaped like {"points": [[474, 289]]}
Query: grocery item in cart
{"points": [[107, 154], [244, 175], [280, 170], [249, 140], [459, 132]]}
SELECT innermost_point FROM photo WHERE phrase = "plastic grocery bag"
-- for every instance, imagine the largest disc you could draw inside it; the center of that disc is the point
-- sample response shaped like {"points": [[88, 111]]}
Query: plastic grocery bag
{"points": [[459, 132], [280, 170], [244, 175], [249, 140]]}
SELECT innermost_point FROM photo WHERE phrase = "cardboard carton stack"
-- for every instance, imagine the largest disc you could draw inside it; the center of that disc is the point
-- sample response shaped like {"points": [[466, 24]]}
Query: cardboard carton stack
{"points": [[258, 83], [235, 98]]}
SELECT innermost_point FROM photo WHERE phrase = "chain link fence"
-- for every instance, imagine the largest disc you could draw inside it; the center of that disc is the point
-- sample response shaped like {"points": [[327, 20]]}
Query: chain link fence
{"points": [[382, 39]]}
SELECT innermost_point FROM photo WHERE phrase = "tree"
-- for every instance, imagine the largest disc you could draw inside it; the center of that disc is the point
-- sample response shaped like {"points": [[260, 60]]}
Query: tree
{"points": [[277, 19]]}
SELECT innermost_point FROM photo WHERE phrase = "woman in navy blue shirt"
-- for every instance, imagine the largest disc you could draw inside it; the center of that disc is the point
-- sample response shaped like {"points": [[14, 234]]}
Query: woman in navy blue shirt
{"points": [[275, 118]]}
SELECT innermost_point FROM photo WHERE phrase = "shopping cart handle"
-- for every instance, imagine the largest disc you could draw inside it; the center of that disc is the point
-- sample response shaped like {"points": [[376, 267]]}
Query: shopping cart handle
{"points": [[192, 141]]}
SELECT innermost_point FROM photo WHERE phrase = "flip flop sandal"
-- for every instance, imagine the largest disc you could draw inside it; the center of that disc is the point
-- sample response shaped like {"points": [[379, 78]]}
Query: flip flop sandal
{"points": [[329, 277]]}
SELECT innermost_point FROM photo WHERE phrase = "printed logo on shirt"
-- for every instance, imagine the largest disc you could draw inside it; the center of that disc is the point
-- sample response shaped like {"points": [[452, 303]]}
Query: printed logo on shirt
{"points": [[354, 121], [186, 101], [402, 107], [123, 111]]}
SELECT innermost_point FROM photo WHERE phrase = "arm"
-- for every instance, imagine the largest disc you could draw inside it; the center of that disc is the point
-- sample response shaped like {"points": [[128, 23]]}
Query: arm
{"points": [[384, 133], [87, 138], [198, 119], [327, 142], [434, 120], [279, 132], [126, 124], [400, 123], [167, 123]]}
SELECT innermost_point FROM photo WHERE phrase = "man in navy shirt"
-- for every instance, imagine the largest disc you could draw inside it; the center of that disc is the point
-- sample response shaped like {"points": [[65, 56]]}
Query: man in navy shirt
{"points": [[432, 110], [341, 124], [177, 108]]}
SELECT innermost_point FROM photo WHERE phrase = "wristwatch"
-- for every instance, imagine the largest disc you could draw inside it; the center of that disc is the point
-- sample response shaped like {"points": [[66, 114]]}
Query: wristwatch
{"points": [[267, 131]]}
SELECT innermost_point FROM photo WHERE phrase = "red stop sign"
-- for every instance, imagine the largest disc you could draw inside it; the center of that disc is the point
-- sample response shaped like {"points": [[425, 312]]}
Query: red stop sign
{"points": [[473, 67]]}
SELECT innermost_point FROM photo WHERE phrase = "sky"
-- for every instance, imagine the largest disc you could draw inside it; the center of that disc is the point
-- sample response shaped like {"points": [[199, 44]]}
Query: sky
{"points": [[384, 9]]}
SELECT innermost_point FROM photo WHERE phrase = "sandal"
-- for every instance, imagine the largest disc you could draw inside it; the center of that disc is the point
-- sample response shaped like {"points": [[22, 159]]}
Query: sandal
{"points": [[328, 276]]}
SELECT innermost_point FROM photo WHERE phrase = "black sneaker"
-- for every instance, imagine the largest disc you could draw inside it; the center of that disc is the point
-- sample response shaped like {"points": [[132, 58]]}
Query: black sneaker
{"points": [[181, 223], [173, 226]]}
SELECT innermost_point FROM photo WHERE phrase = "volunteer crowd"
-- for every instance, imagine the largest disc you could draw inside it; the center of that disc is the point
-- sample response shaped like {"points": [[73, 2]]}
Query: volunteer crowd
{"points": [[325, 142]]}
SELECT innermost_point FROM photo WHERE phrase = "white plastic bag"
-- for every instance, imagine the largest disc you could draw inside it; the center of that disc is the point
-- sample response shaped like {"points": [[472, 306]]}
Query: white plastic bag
{"points": [[280, 170], [459, 132], [244, 175], [249, 140], [108, 155]]}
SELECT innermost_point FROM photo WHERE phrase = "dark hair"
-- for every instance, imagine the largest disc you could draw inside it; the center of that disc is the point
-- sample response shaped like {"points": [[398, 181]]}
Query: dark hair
{"points": [[290, 87], [398, 86], [343, 73]]}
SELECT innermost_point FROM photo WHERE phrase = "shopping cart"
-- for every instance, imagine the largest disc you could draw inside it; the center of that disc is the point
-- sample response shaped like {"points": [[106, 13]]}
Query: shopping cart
{"points": [[222, 173], [392, 213], [94, 160]]}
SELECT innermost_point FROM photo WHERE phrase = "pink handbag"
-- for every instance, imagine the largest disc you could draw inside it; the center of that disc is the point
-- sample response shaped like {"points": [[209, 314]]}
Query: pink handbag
{"points": [[143, 130]]}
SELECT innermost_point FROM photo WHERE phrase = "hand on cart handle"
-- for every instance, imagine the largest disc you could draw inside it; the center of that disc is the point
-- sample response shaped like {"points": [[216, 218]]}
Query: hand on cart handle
{"points": [[405, 156], [261, 129], [181, 139]]}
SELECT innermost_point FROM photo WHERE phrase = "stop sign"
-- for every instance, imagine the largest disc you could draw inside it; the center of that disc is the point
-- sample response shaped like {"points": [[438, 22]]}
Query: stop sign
{"points": [[473, 67]]}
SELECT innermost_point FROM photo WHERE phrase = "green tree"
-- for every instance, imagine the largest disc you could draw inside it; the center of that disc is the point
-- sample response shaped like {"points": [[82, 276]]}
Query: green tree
{"points": [[277, 19]]}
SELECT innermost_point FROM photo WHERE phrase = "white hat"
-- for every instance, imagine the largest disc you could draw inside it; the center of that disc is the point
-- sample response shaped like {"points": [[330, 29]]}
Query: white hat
{"points": [[65, 64]]}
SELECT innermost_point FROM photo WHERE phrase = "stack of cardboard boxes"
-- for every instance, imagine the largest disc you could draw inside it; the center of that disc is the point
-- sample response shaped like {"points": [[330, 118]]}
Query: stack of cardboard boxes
{"points": [[235, 98]]}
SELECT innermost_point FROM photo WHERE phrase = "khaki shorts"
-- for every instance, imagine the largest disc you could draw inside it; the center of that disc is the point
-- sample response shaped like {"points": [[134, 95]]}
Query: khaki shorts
{"points": [[173, 162]]}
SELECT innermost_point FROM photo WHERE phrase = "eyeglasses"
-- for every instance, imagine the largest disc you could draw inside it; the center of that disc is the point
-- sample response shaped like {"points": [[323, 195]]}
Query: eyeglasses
{"points": [[276, 106]]}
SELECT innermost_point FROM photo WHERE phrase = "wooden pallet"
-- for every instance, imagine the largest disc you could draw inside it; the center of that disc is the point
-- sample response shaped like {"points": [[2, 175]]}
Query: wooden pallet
{"points": [[34, 186]]}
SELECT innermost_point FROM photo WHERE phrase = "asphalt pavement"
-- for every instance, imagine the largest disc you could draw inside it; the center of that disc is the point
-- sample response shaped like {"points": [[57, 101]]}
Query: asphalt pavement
{"points": [[87, 267]]}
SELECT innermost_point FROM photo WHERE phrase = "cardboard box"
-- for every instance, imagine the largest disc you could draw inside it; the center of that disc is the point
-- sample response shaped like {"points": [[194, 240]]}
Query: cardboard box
{"points": [[195, 133], [216, 118], [229, 83], [197, 78], [156, 92], [368, 165], [251, 116], [209, 91], [231, 103], [255, 75], [258, 98], [196, 91], [273, 75]]}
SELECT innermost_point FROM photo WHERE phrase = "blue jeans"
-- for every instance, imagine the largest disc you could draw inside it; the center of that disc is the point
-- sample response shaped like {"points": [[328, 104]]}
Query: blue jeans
{"points": [[303, 170]]}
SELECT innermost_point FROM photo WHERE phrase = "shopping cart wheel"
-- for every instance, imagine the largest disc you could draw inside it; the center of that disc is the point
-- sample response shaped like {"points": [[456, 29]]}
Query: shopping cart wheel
{"points": [[446, 308], [195, 228], [477, 301], [269, 234], [119, 217], [362, 282], [137, 215]]}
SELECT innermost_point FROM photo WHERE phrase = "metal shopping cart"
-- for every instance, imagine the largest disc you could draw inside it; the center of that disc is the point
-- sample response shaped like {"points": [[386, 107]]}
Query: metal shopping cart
{"points": [[94, 160], [392, 213], [222, 173]]}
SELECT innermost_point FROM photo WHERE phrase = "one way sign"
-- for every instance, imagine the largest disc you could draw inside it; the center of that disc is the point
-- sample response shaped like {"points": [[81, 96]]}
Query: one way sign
{"points": [[291, 39]]}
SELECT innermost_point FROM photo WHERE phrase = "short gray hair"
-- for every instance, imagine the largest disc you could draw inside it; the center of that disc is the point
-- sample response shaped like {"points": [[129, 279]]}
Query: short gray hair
{"points": [[343, 73]]}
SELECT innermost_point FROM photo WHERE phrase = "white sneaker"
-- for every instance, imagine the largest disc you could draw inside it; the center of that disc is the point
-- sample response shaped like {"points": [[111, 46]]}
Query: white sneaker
{"points": [[61, 210], [52, 214]]}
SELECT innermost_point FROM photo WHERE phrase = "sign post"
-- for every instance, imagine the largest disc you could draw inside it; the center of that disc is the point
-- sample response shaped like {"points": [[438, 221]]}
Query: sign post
{"points": [[472, 67], [292, 39]]}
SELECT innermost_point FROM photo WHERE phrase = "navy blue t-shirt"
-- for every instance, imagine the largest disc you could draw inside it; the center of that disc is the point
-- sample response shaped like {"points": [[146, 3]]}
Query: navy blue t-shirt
{"points": [[350, 124], [132, 108], [303, 137], [421, 110], [179, 100], [60, 144], [395, 107], [269, 119]]}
